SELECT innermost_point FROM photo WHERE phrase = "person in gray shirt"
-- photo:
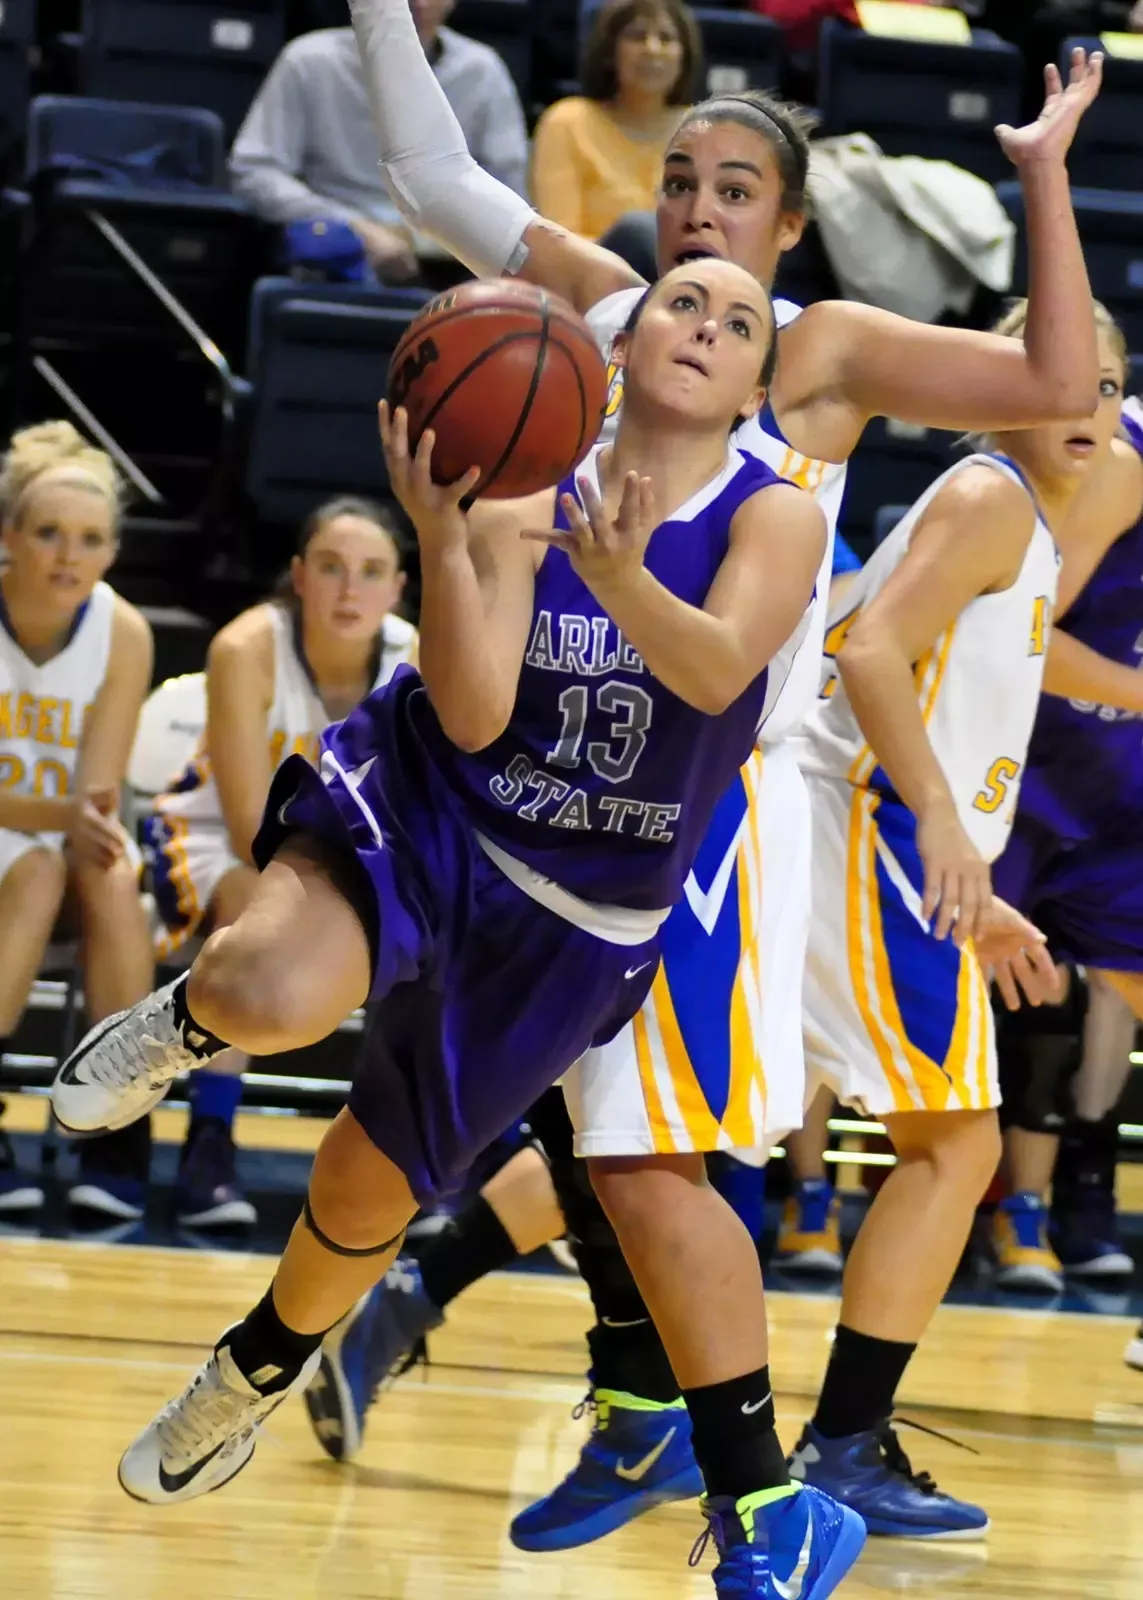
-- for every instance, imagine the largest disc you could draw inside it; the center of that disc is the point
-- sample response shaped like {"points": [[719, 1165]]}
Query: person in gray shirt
{"points": [[307, 150]]}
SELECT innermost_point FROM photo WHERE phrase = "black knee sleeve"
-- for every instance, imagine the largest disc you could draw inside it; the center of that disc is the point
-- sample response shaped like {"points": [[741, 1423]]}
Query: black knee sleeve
{"points": [[1039, 1049], [341, 1249]]}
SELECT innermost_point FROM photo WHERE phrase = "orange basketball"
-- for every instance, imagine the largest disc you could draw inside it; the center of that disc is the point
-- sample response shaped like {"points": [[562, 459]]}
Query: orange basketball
{"points": [[509, 379]]}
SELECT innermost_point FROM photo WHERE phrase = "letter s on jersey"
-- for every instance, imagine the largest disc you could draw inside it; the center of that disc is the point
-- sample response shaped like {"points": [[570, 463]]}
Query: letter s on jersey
{"points": [[1001, 775]]}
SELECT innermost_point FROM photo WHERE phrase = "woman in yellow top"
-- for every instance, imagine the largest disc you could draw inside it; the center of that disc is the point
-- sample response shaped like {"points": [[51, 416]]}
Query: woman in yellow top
{"points": [[598, 155]]}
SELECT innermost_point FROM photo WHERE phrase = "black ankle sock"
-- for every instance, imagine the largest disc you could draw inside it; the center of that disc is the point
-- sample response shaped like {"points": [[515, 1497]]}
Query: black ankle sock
{"points": [[198, 1040], [267, 1353], [473, 1245], [736, 1446], [861, 1382], [627, 1356]]}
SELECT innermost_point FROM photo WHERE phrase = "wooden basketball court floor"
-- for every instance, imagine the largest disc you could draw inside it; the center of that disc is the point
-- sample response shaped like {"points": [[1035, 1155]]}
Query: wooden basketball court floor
{"points": [[94, 1337]]}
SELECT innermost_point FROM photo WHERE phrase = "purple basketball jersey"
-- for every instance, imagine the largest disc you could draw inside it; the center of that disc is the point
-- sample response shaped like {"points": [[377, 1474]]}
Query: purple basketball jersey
{"points": [[1085, 761], [605, 781]]}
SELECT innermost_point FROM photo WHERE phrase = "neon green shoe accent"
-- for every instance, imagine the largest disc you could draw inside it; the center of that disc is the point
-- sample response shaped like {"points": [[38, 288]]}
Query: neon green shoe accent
{"points": [[607, 1400], [750, 1504]]}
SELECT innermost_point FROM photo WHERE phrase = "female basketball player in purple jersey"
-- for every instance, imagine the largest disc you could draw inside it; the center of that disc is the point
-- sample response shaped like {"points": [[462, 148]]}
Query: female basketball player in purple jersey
{"points": [[734, 185], [489, 861]]}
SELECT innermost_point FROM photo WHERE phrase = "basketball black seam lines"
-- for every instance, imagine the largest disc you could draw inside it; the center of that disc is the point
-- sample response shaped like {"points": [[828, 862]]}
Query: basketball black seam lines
{"points": [[466, 373], [534, 383]]}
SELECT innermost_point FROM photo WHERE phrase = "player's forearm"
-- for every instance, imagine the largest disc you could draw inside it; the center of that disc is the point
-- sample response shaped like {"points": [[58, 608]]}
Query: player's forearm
{"points": [[459, 657], [33, 813], [1076, 672], [696, 656], [425, 160], [1060, 336], [879, 682]]}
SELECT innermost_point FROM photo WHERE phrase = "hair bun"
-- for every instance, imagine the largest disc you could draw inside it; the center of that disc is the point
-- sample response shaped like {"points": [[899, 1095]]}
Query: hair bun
{"points": [[47, 445]]}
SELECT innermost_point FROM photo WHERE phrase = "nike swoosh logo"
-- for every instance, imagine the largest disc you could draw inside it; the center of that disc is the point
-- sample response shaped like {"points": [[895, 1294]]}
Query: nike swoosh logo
{"points": [[68, 1072], [641, 1468], [633, 972], [749, 1410], [707, 904], [792, 1588], [172, 1482]]}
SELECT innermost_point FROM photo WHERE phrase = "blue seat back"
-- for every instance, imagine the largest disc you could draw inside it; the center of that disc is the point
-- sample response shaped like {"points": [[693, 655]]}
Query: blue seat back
{"points": [[506, 25], [64, 125], [742, 51], [940, 101], [17, 37], [1111, 227], [318, 360], [1108, 148], [182, 52]]}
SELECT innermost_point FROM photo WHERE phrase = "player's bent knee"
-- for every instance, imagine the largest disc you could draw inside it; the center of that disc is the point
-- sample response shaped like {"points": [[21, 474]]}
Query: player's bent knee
{"points": [[631, 1186], [39, 875], [357, 1196], [233, 988]]}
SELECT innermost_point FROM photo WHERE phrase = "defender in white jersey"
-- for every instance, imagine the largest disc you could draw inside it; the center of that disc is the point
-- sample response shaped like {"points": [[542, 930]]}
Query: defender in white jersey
{"points": [[276, 677], [914, 757], [733, 187], [75, 662]]}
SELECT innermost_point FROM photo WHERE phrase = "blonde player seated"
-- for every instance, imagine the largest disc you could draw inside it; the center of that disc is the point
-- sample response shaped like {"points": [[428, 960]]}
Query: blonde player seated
{"points": [[276, 677], [914, 758], [75, 665]]}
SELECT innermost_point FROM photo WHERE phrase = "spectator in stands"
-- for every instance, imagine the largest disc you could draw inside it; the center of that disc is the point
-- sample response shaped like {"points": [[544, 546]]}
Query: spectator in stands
{"points": [[275, 677], [600, 154], [307, 151], [75, 666]]}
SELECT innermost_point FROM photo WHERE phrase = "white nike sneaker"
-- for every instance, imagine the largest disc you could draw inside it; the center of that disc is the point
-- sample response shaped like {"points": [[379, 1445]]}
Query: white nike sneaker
{"points": [[124, 1066], [205, 1437]]}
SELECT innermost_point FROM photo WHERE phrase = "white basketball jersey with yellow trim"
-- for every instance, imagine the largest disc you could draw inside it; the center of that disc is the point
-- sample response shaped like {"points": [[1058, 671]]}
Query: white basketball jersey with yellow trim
{"points": [[978, 685], [795, 672], [294, 724], [43, 705]]}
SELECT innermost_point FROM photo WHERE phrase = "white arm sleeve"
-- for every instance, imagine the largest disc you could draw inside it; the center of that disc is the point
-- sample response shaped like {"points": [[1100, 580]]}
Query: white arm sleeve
{"points": [[425, 162]]}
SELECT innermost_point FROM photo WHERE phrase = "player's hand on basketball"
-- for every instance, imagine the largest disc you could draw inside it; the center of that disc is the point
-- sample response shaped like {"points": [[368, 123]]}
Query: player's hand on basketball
{"points": [[1015, 953], [605, 550], [1049, 137], [958, 885], [434, 509]]}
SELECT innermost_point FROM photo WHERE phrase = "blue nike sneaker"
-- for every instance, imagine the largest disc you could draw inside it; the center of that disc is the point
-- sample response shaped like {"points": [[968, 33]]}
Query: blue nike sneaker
{"points": [[870, 1473], [796, 1546], [639, 1456], [368, 1350]]}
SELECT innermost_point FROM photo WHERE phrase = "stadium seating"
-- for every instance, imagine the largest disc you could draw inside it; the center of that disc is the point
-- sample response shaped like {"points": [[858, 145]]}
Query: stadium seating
{"points": [[894, 460], [804, 273], [17, 36], [743, 51], [506, 25], [180, 52], [1111, 227], [317, 360], [155, 174], [1108, 148], [941, 101]]}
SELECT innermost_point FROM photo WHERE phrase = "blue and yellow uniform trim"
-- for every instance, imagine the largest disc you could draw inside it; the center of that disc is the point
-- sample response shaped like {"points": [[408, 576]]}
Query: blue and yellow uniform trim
{"points": [[698, 1038], [923, 1002]]}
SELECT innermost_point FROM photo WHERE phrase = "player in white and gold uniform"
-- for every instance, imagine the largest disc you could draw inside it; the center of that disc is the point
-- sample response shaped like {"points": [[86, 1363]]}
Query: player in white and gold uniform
{"points": [[914, 758], [75, 664], [276, 677]]}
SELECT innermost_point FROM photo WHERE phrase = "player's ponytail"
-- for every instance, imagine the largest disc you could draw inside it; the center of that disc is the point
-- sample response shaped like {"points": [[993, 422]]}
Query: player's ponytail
{"points": [[58, 449]]}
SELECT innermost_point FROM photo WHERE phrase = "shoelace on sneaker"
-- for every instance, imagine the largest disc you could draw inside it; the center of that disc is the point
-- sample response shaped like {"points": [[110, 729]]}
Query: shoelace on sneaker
{"points": [[588, 1403], [698, 1550], [119, 1061], [898, 1462], [192, 1421]]}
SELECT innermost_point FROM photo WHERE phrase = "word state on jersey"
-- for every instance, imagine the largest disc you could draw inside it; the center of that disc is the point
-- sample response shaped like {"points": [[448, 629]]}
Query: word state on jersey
{"points": [[604, 723]]}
